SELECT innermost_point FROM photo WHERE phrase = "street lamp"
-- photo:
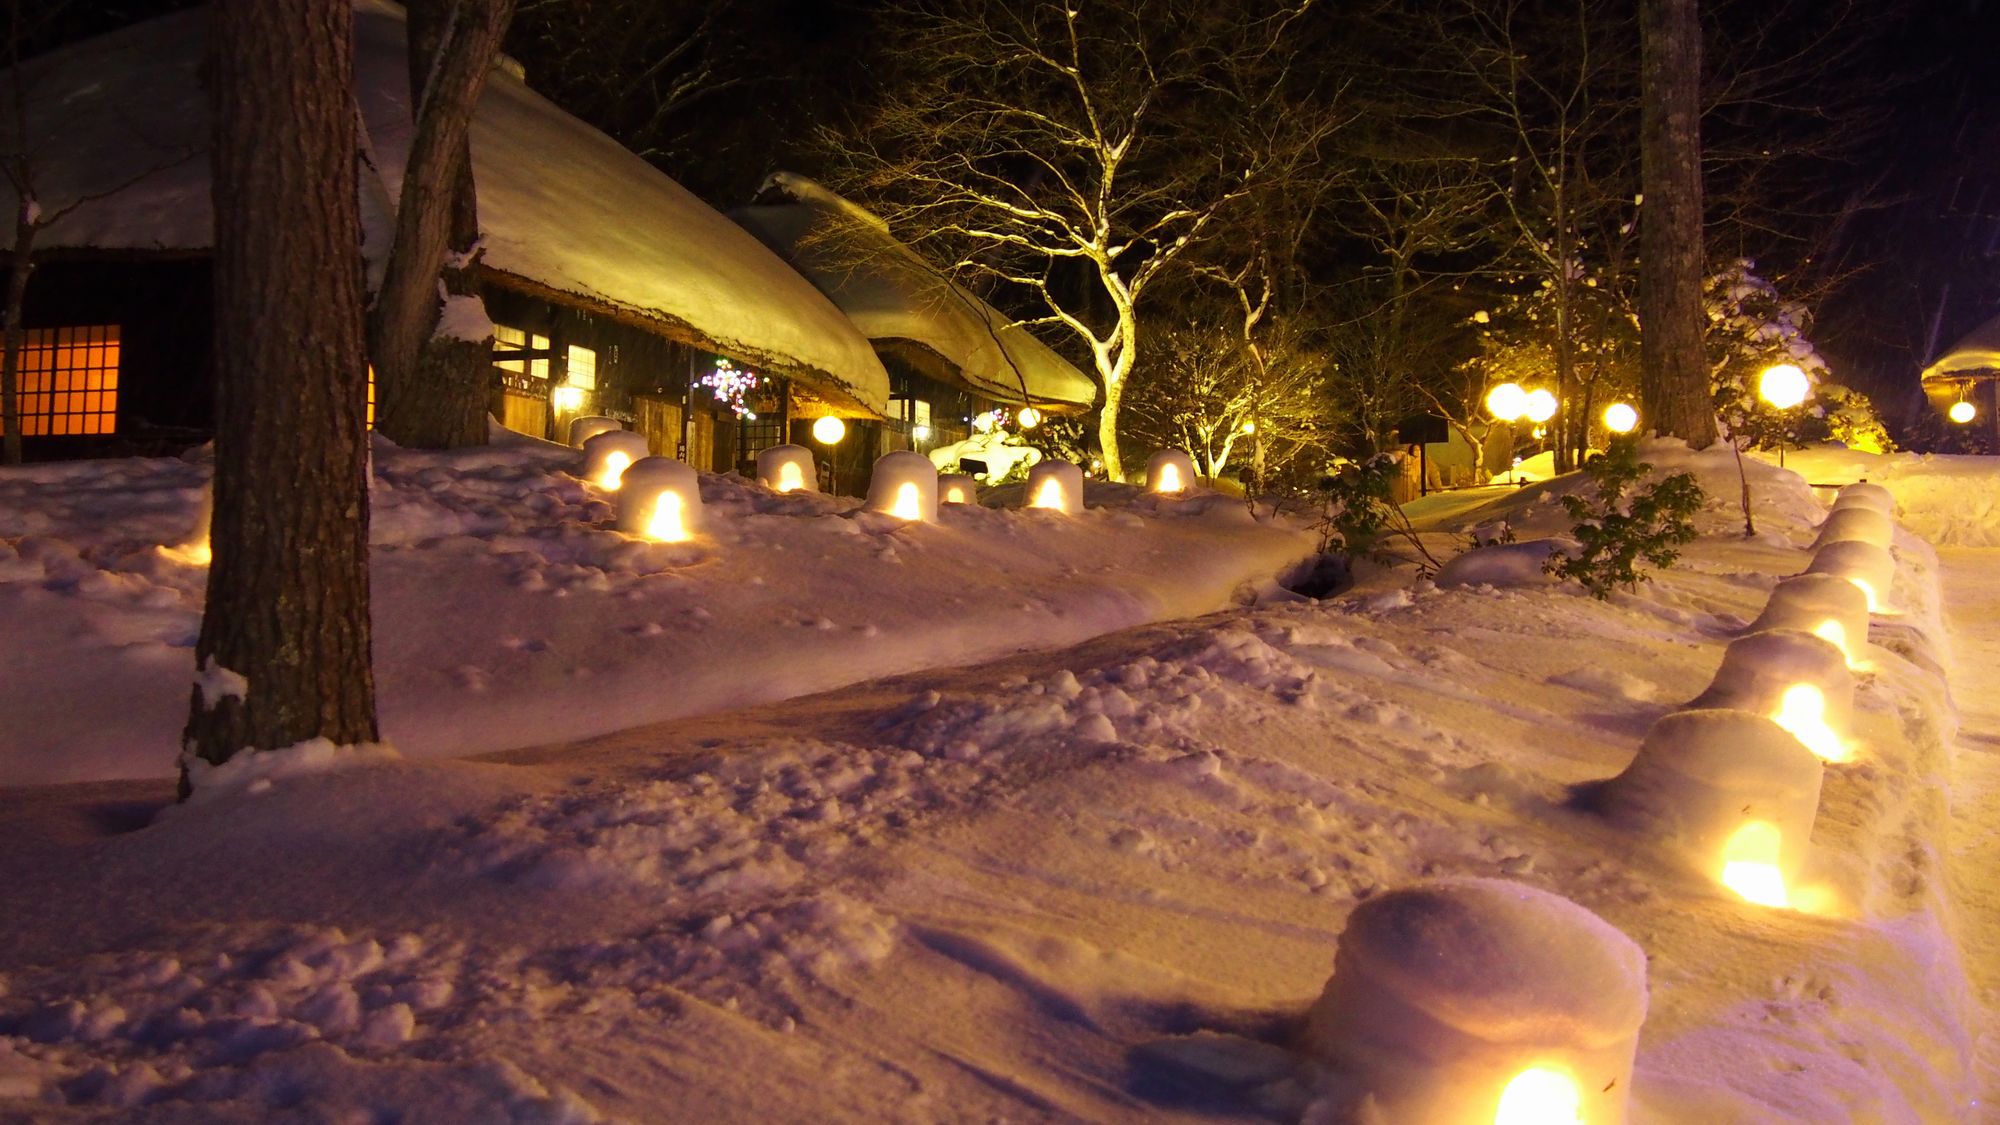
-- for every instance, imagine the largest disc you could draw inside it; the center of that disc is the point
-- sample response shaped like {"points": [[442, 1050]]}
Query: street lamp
{"points": [[1620, 418], [829, 430], [1784, 386], [1962, 411], [1507, 402], [1539, 405]]}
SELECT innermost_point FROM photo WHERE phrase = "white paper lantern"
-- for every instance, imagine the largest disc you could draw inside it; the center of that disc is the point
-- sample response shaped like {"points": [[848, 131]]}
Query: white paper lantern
{"points": [[1871, 568], [660, 500], [1866, 495], [1857, 525], [787, 468], [589, 426], [1170, 471], [957, 488], [1056, 486], [1731, 792], [1796, 678], [606, 456], [905, 485], [1824, 605], [1480, 1000]]}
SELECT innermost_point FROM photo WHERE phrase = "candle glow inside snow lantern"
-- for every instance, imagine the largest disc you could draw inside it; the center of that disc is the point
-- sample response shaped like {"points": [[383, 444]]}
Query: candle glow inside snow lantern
{"points": [[1872, 569], [1481, 1000], [194, 550], [606, 456], [957, 488], [660, 500], [1731, 792], [589, 426], [904, 485], [1169, 471], [1799, 679], [787, 468], [1856, 525], [1057, 486], [1824, 605]]}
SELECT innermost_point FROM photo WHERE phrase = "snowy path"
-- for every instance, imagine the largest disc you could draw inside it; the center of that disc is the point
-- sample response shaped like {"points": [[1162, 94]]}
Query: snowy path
{"points": [[1972, 610]]}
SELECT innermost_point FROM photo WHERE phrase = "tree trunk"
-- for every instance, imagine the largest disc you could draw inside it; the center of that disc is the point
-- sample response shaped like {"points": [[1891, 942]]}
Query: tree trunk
{"points": [[287, 605], [435, 400], [20, 264], [1673, 367]]}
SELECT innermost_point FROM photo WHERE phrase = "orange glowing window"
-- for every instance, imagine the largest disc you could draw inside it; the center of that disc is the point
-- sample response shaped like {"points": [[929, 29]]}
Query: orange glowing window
{"points": [[69, 381]]}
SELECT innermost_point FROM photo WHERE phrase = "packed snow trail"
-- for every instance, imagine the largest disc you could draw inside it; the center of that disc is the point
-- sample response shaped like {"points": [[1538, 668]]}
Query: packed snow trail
{"points": [[1972, 610]]}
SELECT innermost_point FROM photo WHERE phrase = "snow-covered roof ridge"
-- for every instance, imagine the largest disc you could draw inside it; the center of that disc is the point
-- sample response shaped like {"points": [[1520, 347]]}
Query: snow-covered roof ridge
{"points": [[891, 293], [563, 208], [1978, 350]]}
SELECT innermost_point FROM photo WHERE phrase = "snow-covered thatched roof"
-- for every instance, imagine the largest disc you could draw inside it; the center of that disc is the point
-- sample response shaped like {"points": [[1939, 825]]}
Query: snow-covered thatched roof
{"points": [[565, 211], [892, 294], [1978, 351]]}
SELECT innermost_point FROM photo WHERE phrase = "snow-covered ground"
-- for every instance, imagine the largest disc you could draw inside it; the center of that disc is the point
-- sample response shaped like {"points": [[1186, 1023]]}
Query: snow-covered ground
{"points": [[1099, 882]]}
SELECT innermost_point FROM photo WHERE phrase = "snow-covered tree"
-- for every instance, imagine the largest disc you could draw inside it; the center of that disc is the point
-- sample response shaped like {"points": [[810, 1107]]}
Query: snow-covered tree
{"points": [[1203, 389], [1752, 327]]}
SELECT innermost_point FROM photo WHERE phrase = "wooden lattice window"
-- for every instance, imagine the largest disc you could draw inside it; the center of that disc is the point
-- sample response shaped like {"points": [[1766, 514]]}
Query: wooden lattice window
{"points": [[69, 381]]}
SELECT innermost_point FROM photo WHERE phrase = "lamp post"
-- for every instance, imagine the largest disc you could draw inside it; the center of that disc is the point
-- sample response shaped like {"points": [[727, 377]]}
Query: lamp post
{"points": [[1509, 403], [1784, 386]]}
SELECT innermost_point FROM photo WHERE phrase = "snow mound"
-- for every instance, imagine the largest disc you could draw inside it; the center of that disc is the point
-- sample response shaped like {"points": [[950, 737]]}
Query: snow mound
{"points": [[252, 772], [1856, 524], [1869, 567], [1502, 565], [1813, 602], [1867, 496]]}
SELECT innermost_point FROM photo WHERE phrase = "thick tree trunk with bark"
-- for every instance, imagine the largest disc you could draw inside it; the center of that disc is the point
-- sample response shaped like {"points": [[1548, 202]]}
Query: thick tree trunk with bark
{"points": [[287, 606], [20, 264], [1674, 369]]}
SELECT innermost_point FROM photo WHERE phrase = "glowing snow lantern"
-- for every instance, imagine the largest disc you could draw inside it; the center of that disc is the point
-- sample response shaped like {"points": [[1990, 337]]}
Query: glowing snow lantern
{"points": [[1825, 605], [1057, 486], [589, 426], [1866, 495], [1507, 402], [1476, 1000], [1783, 385], [957, 488], [787, 468], [194, 549], [660, 500], [1620, 418], [1702, 776], [829, 430], [1029, 417], [1540, 406], [1856, 524], [606, 456], [904, 485], [1872, 569], [1962, 412], [1798, 679], [1169, 470]]}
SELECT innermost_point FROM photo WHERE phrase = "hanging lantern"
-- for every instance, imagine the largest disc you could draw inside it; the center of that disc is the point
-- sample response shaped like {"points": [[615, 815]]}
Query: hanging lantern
{"points": [[606, 456], [1057, 486], [829, 430], [905, 485], [1169, 471], [787, 468], [589, 426], [1858, 525], [1731, 792], [1798, 679], [660, 500], [1866, 495], [1620, 418], [1825, 605], [1481, 1000], [1869, 567], [957, 488]]}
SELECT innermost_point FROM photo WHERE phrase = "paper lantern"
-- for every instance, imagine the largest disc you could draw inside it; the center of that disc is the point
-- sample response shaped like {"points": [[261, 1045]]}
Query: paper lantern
{"points": [[1028, 417], [829, 430], [1797, 679], [905, 485], [1480, 1000], [1057, 486], [660, 500], [1730, 792], [1169, 471], [1962, 412], [1866, 495], [589, 426], [787, 468], [1872, 569], [1825, 605], [606, 456], [957, 488]]}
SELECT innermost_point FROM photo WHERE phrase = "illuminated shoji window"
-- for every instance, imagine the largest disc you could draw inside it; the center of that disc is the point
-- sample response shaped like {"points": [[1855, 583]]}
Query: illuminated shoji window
{"points": [[69, 381]]}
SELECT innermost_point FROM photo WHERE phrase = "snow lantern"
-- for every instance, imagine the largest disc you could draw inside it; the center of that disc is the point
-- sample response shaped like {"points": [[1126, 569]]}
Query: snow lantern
{"points": [[1056, 485], [1869, 567], [957, 488], [1824, 605], [1169, 471], [1796, 678], [787, 468], [660, 500], [1866, 495], [589, 426], [194, 550], [1732, 792], [904, 485], [1857, 525], [607, 455], [1477, 1000]]}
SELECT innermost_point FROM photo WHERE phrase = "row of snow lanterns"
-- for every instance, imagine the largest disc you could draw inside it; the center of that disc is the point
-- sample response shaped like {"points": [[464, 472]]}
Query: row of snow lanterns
{"points": [[1477, 1000]]}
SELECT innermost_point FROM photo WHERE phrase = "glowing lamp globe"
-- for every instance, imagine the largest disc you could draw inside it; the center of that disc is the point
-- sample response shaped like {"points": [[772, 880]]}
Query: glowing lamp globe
{"points": [[1507, 402], [660, 500], [1866, 495], [589, 426], [1730, 793], [829, 430], [1962, 412], [1798, 679], [1029, 417], [1539, 406], [904, 485], [787, 468], [1480, 1000], [1620, 418], [1857, 525], [1784, 386], [606, 456], [1825, 605], [1056, 486], [957, 488], [1872, 569], [1170, 472]]}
